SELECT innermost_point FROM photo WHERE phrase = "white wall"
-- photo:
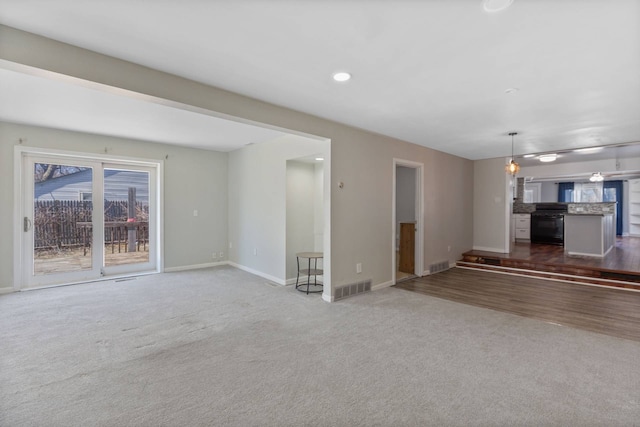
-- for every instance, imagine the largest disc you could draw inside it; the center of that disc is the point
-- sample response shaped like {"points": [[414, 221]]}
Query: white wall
{"points": [[318, 207], [300, 212], [360, 212], [549, 193], [491, 205], [194, 179], [258, 204], [405, 197]]}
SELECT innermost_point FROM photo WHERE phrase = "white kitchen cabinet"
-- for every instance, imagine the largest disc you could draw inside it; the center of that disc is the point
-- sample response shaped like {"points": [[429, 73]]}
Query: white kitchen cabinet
{"points": [[522, 227], [634, 207]]}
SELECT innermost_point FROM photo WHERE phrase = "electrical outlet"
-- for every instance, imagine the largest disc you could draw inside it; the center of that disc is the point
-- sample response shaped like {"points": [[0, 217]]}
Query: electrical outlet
{"points": [[195, 212], [221, 255], [255, 251], [448, 248], [213, 255], [230, 245], [359, 268]]}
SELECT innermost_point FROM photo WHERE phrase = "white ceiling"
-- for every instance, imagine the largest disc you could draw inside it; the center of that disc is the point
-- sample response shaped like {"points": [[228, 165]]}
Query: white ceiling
{"points": [[66, 105], [431, 72]]}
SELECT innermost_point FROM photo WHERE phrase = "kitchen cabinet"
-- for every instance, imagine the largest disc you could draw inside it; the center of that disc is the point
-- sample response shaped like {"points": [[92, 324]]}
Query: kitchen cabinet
{"points": [[634, 207], [522, 227], [589, 234]]}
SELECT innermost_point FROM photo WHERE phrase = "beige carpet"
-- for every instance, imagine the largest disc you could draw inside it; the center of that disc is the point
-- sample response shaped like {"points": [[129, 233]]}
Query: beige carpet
{"points": [[223, 347]]}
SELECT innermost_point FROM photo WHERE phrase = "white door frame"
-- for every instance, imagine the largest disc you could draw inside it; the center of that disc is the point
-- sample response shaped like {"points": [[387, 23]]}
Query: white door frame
{"points": [[21, 152], [419, 206]]}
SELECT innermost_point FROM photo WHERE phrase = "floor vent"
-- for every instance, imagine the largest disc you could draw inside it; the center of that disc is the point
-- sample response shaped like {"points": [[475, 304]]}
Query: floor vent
{"points": [[438, 267], [352, 289]]}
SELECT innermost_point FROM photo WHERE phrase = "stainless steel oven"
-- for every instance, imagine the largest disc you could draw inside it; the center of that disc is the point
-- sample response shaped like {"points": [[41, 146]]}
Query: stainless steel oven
{"points": [[547, 223]]}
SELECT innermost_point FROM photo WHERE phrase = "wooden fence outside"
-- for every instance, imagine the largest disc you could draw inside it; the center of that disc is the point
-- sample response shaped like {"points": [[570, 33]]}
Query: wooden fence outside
{"points": [[62, 223]]}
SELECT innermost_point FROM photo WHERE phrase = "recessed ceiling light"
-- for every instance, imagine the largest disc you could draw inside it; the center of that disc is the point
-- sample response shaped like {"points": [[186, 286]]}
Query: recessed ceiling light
{"points": [[587, 150], [526, 156], [496, 5], [511, 90], [548, 158], [341, 76], [319, 159]]}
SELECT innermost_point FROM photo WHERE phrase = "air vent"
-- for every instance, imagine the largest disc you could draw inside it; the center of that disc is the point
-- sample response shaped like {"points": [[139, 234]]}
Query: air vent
{"points": [[438, 267], [352, 289]]}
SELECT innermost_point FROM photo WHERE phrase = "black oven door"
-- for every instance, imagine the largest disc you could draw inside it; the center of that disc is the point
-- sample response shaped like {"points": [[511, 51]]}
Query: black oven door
{"points": [[547, 229]]}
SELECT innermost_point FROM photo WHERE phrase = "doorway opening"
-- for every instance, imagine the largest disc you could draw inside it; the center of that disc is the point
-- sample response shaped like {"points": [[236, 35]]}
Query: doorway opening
{"points": [[305, 220], [407, 227]]}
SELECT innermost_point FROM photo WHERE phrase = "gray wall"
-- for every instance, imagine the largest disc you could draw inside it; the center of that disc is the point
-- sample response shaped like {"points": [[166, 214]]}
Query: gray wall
{"points": [[300, 213], [491, 205], [405, 197]]}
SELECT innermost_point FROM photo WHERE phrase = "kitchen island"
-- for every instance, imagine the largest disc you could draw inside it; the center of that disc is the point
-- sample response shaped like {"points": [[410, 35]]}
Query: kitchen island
{"points": [[589, 234]]}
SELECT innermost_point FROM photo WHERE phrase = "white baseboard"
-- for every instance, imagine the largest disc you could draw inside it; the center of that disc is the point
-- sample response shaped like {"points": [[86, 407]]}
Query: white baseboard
{"points": [[258, 273], [327, 298], [382, 285], [487, 249], [195, 266], [6, 290]]}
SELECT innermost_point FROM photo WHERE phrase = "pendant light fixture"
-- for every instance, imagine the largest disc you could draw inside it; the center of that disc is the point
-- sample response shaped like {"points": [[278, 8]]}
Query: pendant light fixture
{"points": [[512, 167], [596, 177]]}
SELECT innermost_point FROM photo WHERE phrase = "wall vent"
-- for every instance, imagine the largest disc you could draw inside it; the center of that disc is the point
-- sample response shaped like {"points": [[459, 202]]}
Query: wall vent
{"points": [[352, 289], [438, 267]]}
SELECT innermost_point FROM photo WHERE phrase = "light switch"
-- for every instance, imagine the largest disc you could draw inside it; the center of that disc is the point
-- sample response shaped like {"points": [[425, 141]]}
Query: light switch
{"points": [[195, 212]]}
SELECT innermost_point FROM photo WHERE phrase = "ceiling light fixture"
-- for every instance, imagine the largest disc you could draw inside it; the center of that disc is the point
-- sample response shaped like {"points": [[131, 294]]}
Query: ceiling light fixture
{"points": [[587, 150], [319, 159], [526, 156], [596, 177], [511, 90], [496, 5], [546, 158], [341, 76], [512, 167]]}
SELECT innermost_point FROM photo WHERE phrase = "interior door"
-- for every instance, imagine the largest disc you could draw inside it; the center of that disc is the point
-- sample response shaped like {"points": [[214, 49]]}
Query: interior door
{"points": [[61, 220]]}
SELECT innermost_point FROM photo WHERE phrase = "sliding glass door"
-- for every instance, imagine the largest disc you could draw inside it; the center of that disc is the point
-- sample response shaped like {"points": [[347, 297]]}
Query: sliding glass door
{"points": [[83, 219]]}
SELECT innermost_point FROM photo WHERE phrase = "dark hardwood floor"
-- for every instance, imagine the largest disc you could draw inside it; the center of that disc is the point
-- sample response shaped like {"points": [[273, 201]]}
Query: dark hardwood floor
{"points": [[610, 311], [619, 268], [625, 256]]}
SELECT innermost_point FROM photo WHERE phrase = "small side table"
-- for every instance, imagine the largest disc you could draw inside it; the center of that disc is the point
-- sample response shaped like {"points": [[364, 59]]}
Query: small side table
{"points": [[309, 271]]}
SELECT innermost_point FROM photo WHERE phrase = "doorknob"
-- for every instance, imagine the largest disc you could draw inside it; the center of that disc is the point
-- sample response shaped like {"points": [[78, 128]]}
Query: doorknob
{"points": [[27, 224]]}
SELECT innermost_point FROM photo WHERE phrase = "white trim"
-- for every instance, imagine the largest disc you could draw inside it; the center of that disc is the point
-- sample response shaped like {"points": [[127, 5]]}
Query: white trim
{"points": [[326, 238], [195, 266], [257, 273], [488, 249], [383, 285]]}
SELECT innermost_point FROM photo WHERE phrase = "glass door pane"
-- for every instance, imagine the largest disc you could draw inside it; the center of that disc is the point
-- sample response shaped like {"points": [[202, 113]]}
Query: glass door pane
{"points": [[126, 219], [59, 220], [62, 214]]}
